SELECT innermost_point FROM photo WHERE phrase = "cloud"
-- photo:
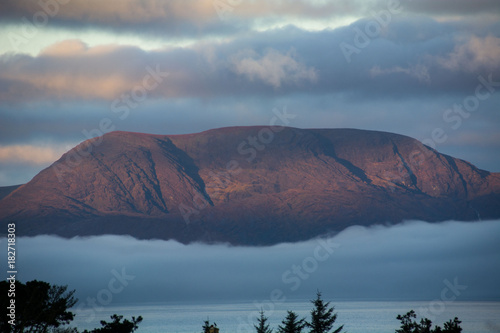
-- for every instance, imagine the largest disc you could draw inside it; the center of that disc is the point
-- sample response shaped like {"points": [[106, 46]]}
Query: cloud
{"points": [[471, 138], [178, 18], [31, 154], [420, 72], [70, 69], [454, 8], [273, 68], [106, 13], [441, 60], [473, 54], [19, 163], [405, 262], [72, 47]]}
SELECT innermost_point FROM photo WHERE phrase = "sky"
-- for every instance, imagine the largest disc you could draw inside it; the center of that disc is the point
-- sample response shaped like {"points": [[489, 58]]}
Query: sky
{"points": [[73, 69]]}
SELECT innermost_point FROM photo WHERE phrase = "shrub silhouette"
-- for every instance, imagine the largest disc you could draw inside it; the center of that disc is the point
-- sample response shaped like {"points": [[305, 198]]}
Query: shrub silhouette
{"points": [[409, 325]]}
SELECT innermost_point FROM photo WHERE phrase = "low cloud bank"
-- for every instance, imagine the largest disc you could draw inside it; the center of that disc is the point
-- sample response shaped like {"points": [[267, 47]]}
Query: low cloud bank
{"points": [[411, 261]]}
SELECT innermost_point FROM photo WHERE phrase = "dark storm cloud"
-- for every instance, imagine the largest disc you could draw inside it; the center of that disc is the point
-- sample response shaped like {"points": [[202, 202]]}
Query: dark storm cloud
{"points": [[407, 262]]}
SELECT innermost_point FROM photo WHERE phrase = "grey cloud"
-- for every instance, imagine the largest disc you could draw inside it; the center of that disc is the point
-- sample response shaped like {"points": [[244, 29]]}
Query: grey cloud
{"points": [[406, 262], [161, 18], [415, 60], [460, 7], [179, 18], [409, 60], [420, 72], [273, 67]]}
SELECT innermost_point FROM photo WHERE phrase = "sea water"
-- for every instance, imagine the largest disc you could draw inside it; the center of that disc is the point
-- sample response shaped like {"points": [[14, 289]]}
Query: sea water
{"points": [[239, 317]]}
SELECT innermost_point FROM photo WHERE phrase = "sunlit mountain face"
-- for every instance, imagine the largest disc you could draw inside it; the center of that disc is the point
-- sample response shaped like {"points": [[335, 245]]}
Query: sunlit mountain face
{"points": [[248, 185]]}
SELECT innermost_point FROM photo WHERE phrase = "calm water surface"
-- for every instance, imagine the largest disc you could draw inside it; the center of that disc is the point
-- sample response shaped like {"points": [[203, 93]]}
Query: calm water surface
{"points": [[357, 317]]}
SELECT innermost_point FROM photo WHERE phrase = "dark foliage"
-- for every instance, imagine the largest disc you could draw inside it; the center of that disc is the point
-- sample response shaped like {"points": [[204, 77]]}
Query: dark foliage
{"points": [[292, 324], [410, 325], [262, 326], [322, 317], [40, 306], [117, 326]]}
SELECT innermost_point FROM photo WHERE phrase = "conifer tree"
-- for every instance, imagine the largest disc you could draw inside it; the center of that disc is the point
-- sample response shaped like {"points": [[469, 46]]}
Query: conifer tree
{"points": [[262, 326], [322, 317], [292, 324]]}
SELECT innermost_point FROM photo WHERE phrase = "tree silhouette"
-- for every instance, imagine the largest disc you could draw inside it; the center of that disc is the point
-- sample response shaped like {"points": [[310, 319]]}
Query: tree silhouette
{"points": [[452, 326], [40, 306], [291, 324], [116, 326], [409, 325], [206, 326], [322, 317], [262, 326]]}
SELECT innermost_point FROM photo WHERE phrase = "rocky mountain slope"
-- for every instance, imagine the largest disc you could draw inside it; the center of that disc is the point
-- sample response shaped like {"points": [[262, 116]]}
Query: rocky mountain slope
{"points": [[248, 185], [6, 190]]}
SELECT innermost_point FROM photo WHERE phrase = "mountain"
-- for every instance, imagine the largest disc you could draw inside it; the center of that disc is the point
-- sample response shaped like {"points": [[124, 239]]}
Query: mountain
{"points": [[6, 190], [248, 186]]}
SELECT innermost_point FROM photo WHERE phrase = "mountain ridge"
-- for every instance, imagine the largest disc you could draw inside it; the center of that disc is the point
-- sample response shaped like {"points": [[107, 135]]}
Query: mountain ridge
{"points": [[248, 185]]}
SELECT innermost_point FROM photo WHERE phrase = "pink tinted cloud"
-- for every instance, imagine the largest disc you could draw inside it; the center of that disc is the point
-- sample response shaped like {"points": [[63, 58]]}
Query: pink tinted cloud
{"points": [[472, 54], [31, 154], [70, 69]]}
